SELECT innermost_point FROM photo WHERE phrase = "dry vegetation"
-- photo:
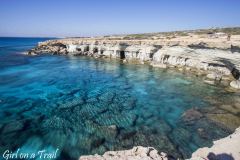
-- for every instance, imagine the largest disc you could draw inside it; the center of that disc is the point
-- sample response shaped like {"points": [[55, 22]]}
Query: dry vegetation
{"points": [[174, 34]]}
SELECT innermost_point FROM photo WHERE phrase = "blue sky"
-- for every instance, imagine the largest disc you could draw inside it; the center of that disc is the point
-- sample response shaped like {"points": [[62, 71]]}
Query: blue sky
{"points": [[103, 17]]}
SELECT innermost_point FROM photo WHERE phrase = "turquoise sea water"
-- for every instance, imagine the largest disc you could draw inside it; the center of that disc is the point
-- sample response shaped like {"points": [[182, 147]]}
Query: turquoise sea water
{"points": [[82, 105]]}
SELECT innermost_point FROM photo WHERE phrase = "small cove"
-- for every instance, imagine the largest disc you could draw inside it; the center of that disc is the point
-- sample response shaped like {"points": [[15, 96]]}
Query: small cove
{"points": [[82, 105]]}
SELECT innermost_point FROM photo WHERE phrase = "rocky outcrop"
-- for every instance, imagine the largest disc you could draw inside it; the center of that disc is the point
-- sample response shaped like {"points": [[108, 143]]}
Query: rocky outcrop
{"points": [[215, 60], [235, 84], [136, 153], [53, 48]]}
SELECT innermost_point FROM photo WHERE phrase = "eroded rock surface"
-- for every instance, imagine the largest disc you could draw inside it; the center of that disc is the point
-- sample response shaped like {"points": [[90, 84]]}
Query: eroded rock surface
{"points": [[235, 84], [136, 153]]}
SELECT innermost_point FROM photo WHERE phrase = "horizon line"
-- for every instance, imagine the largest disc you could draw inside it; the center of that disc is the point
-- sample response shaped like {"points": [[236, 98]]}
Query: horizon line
{"points": [[183, 30]]}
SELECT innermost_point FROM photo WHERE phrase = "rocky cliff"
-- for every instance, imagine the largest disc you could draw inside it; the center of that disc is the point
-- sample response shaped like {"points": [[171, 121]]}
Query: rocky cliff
{"points": [[216, 59]]}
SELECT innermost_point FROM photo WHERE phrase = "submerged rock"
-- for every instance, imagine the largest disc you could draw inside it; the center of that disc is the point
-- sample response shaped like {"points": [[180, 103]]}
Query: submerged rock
{"points": [[223, 149], [191, 115], [120, 120], [181, 136], [226, 120], [13, 127], [234, 109]]}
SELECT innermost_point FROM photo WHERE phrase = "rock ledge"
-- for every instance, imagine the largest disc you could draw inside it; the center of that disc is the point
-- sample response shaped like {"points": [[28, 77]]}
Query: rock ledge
{"points": [[136, 153]]}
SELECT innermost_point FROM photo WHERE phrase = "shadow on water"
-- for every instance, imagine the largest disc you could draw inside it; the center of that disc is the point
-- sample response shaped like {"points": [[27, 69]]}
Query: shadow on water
{"points": [[223, 156]]}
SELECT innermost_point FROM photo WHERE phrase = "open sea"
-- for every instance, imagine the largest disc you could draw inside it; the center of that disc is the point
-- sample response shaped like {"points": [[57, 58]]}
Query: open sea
{"points": [[79, 105]]}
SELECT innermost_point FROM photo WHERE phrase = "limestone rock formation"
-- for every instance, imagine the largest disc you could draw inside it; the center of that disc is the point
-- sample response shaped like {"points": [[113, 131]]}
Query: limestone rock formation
{"points": [[235, 84], [136, 153], [214, 76]]}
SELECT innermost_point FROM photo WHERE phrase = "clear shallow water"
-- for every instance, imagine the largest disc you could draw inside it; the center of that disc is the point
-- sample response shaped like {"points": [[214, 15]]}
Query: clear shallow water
{"points": [[85, 106]]}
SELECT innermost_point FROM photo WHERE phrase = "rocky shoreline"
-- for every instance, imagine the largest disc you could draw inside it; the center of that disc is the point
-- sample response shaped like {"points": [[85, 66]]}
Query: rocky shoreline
{"points": [[217, 60], [136, 153], [224, 149]]}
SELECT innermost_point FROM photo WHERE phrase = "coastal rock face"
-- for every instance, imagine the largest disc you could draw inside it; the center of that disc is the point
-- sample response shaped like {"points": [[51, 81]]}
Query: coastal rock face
{"points": [[216, 62], [53, 48], [208, 58], [136, 153]]}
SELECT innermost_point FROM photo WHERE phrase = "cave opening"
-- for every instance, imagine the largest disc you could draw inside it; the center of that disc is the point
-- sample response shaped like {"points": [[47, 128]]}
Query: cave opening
{"points": [[122, 55], [87, 49], [79, 49], [151, 55], [95, 50]]}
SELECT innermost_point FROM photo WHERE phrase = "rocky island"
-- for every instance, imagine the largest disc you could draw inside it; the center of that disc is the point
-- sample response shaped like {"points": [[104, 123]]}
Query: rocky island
{"points": [[214, 53]]}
